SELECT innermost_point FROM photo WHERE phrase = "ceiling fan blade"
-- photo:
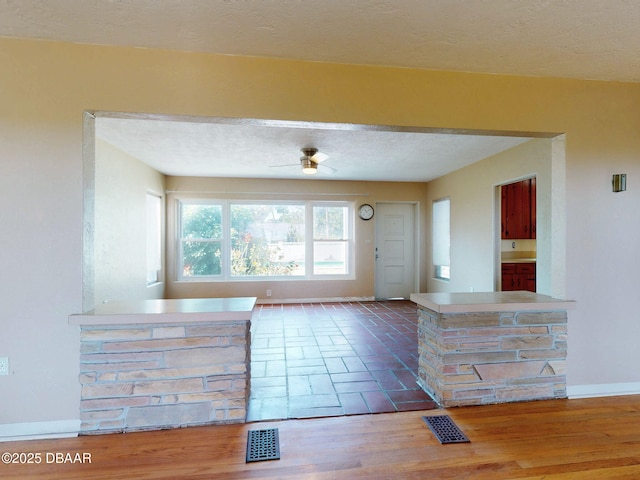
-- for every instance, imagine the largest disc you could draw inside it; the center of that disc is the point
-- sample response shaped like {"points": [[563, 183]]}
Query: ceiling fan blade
{"points": [[310, 161], [314, 155], [319, 157], [333, 170]]}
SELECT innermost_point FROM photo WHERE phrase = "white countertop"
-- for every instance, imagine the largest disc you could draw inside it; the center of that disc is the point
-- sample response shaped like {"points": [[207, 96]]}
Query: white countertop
{"points": [[474, 302], [168, 311]]}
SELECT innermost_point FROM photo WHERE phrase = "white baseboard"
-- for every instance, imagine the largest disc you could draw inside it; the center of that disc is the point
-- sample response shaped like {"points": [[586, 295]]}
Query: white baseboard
{"points": [[603, 390], [12, 432], [268, 301]]}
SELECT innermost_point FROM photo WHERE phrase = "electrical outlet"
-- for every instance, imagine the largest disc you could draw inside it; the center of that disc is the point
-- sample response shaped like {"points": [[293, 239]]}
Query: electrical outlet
{"points": [[4, 365], [268, 293]]}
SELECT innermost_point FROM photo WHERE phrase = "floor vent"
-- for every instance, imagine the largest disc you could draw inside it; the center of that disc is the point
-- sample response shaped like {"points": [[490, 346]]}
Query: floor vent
{"points": [[445, 430], [263, 445]]}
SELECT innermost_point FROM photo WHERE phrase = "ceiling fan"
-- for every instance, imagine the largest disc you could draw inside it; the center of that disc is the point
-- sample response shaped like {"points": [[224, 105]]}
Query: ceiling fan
{"points": [[310, 161]]}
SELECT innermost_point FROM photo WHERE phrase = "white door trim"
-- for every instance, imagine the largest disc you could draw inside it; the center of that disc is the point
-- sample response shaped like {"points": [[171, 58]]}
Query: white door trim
{"points": [[415, 253]]}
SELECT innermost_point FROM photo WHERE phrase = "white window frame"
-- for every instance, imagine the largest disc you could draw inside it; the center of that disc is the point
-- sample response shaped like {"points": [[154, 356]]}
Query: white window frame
{"points": [[154, 236], [180, 242], [441, 239], [227, 231], [347, 239], [226, 276]]}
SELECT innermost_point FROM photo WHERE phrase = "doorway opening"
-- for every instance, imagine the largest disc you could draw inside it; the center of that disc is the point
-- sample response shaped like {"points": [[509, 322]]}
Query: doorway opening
{"points": [[518, 235], [553, 277], [543, 248]]}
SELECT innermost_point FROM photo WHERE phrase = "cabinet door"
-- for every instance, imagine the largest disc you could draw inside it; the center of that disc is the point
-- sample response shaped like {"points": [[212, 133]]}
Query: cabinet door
{"points": [[518, 219], [518, 276], [509, 277], [523, 205], [532, 201], [509, 282], [526, 273], [510, 211], [503, 212], [530, 283]]}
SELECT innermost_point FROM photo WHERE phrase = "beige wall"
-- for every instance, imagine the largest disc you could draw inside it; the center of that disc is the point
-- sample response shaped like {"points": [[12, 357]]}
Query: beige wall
{"points": [[362, 286], [119, 226], [475, 221], [45, 88]]}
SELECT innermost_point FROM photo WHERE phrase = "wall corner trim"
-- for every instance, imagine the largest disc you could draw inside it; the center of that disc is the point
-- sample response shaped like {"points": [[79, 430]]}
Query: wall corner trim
{"points": [[12, 432], [603, 390], [266, 301]]}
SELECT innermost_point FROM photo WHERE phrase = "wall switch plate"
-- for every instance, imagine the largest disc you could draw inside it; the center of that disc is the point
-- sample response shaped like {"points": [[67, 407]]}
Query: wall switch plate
{"points": [[4, 365]]}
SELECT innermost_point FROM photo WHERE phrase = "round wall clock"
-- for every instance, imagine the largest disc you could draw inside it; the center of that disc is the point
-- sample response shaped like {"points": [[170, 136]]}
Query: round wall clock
{"points": [[365, 212]]}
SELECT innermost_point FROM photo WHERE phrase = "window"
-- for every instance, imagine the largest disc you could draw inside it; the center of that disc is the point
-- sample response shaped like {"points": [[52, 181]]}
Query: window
{"points": [[222, 240], [442, 239], [330, 240], [201, 240], [154, 238], [267, 240]]}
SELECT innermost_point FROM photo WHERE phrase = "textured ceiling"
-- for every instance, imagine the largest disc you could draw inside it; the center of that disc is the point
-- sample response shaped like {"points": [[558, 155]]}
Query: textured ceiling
{"points": [[255, 149], [588, 39], [592, 39]]}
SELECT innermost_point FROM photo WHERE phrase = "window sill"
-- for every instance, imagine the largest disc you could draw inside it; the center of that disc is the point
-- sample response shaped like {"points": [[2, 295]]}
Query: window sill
{"points": [[265, 279]]}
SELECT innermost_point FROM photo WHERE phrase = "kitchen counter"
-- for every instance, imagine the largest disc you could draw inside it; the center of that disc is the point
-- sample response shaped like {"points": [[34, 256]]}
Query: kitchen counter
{"points": [[167, 310], [489, 302], [518, 260]]}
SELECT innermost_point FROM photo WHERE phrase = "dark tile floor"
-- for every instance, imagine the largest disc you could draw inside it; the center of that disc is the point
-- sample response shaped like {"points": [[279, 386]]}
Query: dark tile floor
{"points": [[330, 359]]}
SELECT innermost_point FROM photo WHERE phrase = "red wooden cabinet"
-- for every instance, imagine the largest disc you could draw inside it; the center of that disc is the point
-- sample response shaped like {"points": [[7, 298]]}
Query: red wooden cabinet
{"points": [[519, 276], [532, 200], [519, 210]]}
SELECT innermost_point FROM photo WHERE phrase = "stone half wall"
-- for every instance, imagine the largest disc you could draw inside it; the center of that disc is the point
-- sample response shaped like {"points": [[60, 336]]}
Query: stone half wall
{"points": [[492, 357], [148, 377]]}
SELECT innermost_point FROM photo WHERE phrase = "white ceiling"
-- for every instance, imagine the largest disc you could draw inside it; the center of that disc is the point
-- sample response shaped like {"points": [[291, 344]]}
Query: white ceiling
{"points": [[255, 149], [594, 39], [589, 39]]}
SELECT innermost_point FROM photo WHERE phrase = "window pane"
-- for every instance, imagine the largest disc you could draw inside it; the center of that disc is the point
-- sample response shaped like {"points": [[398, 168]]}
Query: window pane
{"points": [[441, 238], [267, 240], [201, 221], [330, 258], [200, 224], [201, 258], [330, 223], [154, 238]]}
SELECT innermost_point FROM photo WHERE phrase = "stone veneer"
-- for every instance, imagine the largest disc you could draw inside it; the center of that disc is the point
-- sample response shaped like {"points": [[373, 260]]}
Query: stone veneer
{"points": [[154, 376], [492, 357]]}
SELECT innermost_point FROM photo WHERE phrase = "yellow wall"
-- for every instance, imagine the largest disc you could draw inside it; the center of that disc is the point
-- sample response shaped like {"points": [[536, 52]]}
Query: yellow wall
{"points": [[45, 87], [119, 227], [475, 220]]}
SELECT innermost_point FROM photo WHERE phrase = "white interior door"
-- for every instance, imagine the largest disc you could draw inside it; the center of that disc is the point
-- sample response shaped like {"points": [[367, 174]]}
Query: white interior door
{"points": [[395, 250]]}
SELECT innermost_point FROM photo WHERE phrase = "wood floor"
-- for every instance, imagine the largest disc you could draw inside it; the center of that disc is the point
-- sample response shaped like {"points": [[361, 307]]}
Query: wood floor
{"points": [[556, 439]]}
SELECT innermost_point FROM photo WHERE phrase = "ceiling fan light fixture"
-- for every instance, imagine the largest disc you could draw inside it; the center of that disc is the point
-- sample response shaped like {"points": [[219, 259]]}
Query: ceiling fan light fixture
{"points": [[309, 167]]}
